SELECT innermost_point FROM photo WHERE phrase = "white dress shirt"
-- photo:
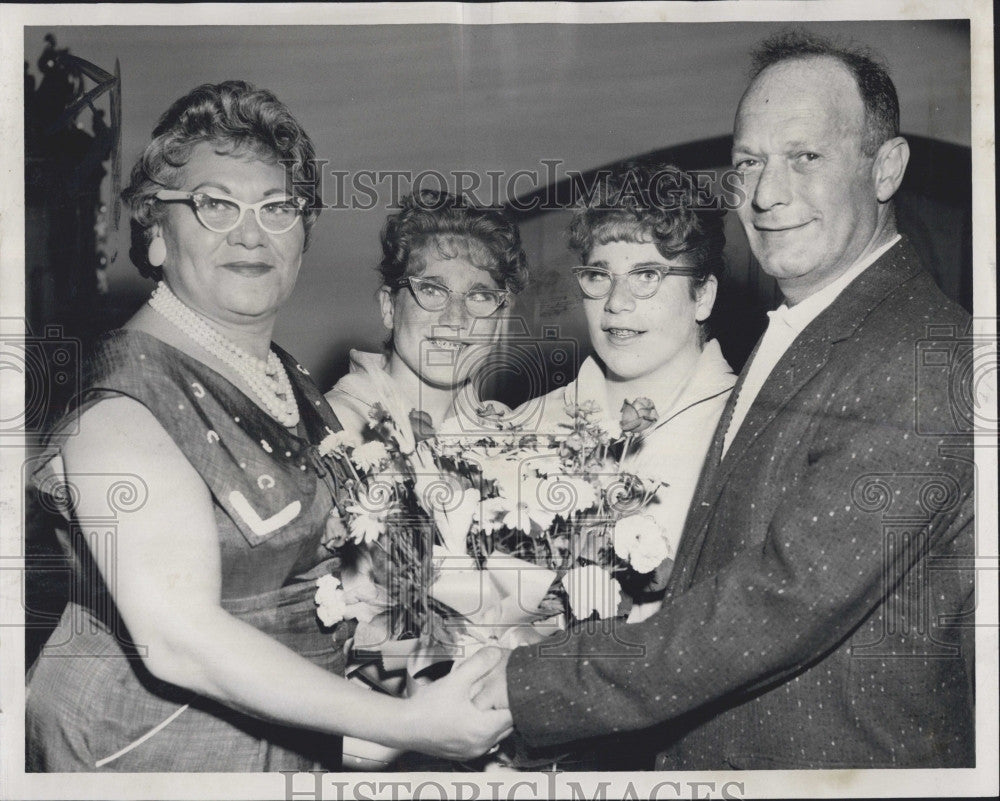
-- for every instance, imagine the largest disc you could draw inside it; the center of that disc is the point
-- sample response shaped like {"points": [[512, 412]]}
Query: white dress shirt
{"points": [[784, 325]]}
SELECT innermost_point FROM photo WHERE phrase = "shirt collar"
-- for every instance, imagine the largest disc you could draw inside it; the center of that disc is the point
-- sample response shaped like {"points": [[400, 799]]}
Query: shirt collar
{"points": [[711, 375], [797, 317]]}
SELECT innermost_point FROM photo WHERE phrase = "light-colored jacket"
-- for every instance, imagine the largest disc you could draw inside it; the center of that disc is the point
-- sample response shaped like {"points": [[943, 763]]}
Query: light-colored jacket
{"points": [[673, 451], [368, 383]]}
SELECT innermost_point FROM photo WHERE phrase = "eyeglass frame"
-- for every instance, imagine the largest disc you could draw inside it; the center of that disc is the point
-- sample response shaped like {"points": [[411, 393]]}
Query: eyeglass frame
{"points": [[179, 195], [407, 282], [662, 270]]}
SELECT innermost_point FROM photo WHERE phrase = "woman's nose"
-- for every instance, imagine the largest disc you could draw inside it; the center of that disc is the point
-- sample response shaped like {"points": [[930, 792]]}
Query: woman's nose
{"points": [[619, 298], [249, 232], [454, 311]]}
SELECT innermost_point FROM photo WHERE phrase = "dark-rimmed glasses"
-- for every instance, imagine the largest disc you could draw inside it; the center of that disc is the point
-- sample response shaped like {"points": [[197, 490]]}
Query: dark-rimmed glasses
{"points": [[221, 213], [433, 297], [643, 282]]}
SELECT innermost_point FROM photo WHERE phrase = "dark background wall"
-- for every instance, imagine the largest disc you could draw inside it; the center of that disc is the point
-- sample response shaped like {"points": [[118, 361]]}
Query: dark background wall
{"points": [[503, 99]]}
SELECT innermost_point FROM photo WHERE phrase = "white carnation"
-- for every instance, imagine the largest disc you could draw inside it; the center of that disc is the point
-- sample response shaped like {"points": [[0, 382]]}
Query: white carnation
{"points": [[370, 456], [641, 542], [330, 602], [365, 526], [339, 441]]}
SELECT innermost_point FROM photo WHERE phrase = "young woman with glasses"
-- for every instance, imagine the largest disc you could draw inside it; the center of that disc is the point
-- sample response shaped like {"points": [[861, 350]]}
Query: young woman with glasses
{"points": [[449, 272], [650, 251]]}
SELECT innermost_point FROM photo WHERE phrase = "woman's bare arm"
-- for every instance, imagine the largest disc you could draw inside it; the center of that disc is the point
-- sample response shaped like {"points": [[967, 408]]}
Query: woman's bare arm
{"points": [[166, 582]]}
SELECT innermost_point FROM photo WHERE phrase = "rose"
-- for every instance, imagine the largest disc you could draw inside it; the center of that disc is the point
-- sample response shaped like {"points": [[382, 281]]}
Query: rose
{"points": [[637, 415], [422, 425], [570, 447], [363, 599]]}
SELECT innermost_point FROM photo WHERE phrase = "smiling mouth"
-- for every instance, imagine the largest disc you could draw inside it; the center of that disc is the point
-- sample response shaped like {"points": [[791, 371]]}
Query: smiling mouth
{"points": [[446, 344], [623, 334], [780, 229], [249, 269]]}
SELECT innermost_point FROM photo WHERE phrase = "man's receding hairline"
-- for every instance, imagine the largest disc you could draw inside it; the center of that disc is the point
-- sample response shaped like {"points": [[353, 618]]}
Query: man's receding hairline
{"points": [[807, 57]]}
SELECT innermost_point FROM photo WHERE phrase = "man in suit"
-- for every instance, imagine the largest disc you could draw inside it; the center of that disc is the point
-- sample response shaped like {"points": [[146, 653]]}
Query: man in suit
{"points": [[818, 615]]}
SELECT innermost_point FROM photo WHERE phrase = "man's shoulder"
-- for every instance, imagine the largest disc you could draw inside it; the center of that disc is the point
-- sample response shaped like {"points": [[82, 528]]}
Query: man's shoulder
{"points": [[916, 309], [897, 301]]}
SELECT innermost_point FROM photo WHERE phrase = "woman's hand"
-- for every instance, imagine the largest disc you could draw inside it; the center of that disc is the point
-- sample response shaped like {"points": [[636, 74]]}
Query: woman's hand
{"points": [[442, 720]]}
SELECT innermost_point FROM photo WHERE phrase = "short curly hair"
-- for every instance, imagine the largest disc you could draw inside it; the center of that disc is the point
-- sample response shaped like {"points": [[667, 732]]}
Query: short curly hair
{"points": [[652, 203], [455, 226], [236, 118]]}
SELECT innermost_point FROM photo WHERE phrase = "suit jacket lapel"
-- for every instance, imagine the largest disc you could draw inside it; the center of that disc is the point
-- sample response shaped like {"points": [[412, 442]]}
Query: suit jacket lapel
{"points": [[695, 526], [807, 355], [706, 478]]}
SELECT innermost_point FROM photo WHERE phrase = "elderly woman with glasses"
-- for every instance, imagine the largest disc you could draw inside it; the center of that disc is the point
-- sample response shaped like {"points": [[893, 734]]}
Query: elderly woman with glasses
{"points": [[198, 506], [449, 271], [650, 255]]}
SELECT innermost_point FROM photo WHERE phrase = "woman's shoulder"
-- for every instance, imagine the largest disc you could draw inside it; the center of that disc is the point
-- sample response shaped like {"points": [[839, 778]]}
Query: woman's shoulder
{"points": [[117, 425], [124, 366], [351, 411], [136, 363], [542, 414], [113, 435]]}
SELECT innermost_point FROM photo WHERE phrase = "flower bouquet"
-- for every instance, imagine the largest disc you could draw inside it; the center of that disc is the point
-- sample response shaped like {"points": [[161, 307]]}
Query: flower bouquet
{"points": [[498, 537], [566, 502], [409, 500]]}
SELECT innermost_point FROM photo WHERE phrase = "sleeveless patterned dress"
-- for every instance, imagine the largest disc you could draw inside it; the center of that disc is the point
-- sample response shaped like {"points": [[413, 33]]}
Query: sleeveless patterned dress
{"points": [[92, 705]]}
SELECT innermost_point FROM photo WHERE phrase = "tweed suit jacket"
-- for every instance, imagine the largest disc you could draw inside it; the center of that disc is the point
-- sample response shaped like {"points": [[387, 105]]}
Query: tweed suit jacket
{"points": [[819, 612]]}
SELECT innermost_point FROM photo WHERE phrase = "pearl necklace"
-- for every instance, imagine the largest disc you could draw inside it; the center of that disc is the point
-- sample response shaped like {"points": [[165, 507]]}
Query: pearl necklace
{"points": [[268, 380]]}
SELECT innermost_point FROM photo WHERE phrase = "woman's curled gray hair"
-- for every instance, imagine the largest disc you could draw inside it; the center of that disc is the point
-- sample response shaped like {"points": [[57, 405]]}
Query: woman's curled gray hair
{"points": [[236, 118]]}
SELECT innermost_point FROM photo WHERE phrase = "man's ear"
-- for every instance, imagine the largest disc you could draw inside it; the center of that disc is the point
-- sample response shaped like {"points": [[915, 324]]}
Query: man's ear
{"points": [[388, 308], [706, 298], [890, 164]]}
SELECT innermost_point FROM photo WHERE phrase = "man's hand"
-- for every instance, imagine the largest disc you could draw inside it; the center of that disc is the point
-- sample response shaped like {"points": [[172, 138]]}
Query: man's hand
{"points": [[490, 691]]}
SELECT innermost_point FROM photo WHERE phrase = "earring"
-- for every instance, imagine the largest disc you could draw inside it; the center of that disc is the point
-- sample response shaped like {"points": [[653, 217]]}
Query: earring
{"points": [[157, 251]]}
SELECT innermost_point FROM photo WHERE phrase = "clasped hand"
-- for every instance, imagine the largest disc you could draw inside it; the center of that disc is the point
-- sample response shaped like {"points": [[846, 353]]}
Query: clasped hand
{"points": [[465, 713]]}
